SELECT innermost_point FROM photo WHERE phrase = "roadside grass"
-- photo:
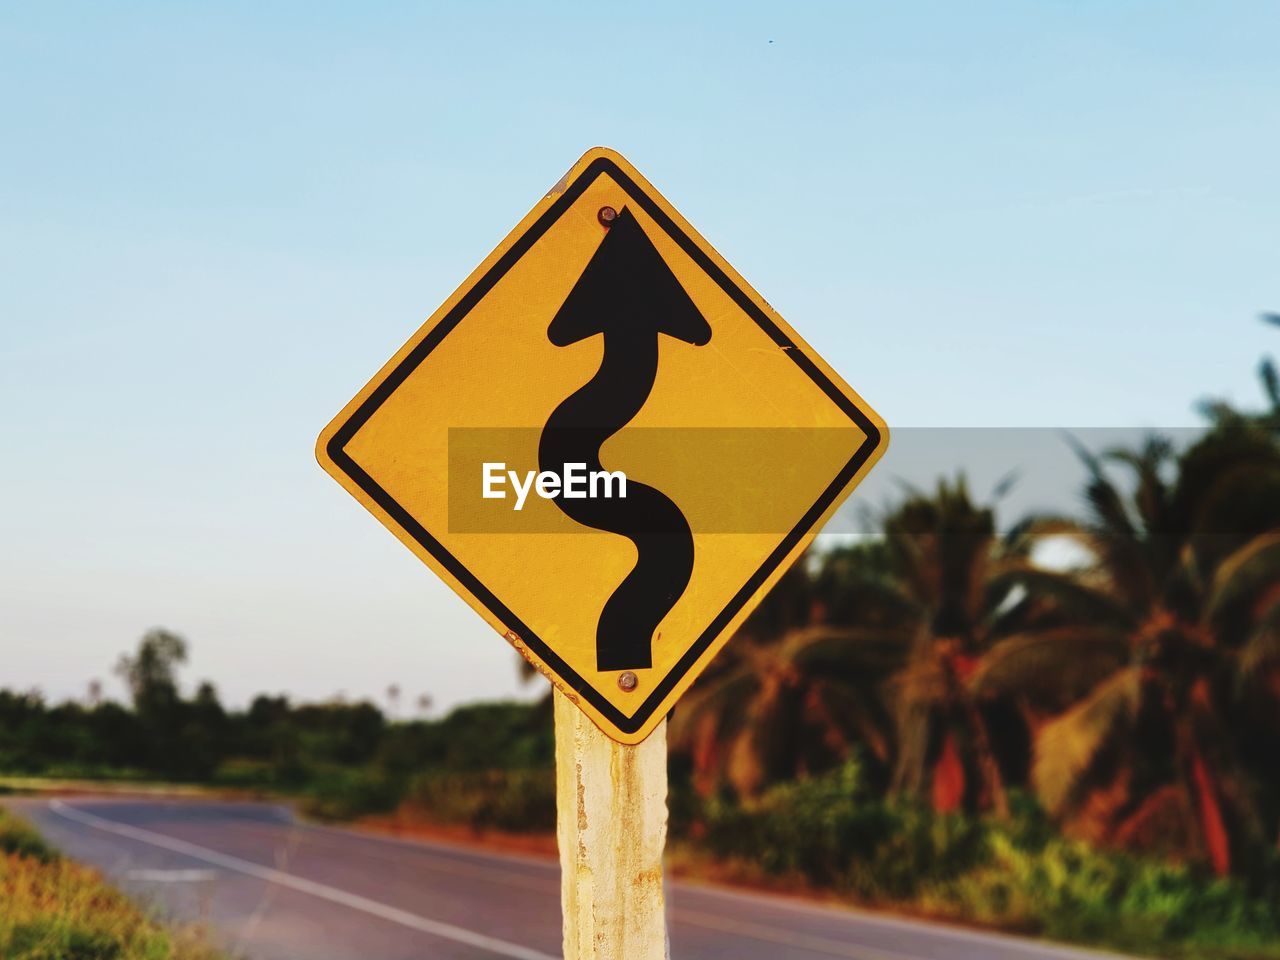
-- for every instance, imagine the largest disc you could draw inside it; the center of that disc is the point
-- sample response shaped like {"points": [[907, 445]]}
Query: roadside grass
{"points": [[19, 839], [54, 909], [27, 785]]}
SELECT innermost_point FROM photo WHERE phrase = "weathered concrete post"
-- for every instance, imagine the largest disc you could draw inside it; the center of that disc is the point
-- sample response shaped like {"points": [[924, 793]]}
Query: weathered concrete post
{"points": [[611, 803]]}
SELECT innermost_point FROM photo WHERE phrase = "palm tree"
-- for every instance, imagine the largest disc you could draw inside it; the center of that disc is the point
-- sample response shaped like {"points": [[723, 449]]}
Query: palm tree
{"points": [[1168, 628], [799, 687], [958, 742], [874, 645]]}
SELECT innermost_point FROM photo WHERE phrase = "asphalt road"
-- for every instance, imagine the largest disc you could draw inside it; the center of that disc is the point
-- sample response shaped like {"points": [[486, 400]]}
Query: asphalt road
{"points": [[271, 888]]}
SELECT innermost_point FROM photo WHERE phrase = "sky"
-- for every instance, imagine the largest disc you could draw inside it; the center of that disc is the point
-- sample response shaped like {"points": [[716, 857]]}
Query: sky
{"points": [[217, 221]]}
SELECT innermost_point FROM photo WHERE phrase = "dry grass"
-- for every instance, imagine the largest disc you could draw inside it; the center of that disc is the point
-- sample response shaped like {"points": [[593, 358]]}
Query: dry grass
{"points": [[54, 909]]}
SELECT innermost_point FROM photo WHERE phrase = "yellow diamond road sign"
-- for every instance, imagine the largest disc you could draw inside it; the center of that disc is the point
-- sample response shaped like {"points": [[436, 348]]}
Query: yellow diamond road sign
{"points": [[607, 443]]}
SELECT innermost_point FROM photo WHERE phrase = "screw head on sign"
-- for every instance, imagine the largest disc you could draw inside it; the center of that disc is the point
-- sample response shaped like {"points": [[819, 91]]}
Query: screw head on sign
{"points": [[606, 216], [628, 681]]}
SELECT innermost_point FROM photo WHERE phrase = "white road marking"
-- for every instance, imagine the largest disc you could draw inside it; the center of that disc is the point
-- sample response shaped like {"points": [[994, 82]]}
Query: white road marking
{"points": [[940, 930], [170, 876], [755, 931], [353, 901], [936, 928]]}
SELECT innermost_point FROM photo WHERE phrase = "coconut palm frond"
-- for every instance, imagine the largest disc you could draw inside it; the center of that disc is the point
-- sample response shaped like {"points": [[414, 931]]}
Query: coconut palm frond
{"points": [[1270, 378], [1229, 483], [1005, 484], [1069, 594], [720, 696], [763, 748], [1036, 527], [922, 682], [1052, 666], [744, 766], [1262, 647], [1112, 535], [1156, 451], [869, 600], [1242, 577], [848, 709], [914, 731], [1068, 745], [1105, 500], [1151, 494], [848, 651], [1235, 498], [1217, 411]]}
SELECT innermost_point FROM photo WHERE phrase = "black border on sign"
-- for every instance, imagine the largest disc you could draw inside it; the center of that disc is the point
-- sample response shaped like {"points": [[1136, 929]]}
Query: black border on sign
{"points": [[337, 446]]}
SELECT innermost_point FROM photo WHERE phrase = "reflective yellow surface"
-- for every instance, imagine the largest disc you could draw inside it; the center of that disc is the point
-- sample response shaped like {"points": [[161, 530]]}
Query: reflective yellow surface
{"points": [[497, 369]]}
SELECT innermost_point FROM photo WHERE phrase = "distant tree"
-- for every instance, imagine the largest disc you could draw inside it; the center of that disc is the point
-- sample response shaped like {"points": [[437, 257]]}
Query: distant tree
{"points": [[21, 714], [340, 732], [266, 710], [269, 734], [204, 732], [151, 673], [425, 703], [207, 711], [118, 738], [94, 697], [393, 699]]}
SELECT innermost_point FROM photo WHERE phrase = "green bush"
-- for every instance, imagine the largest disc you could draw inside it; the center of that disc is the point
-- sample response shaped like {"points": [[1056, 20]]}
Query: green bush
{"points": [[1015, 873], [830, 832], [515, 800], [345, 794], [1069, 891]]}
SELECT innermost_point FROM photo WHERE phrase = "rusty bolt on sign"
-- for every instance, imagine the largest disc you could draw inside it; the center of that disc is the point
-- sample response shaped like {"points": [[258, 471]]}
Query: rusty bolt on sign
{"points": [[606, 216], [628, 681]]}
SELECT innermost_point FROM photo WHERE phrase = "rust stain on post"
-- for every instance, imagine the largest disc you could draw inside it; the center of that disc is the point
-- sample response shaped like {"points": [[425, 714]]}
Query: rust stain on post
{"points": [[612, 830]]}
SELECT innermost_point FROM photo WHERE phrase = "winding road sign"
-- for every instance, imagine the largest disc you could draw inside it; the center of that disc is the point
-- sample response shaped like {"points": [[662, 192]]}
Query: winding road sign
{"points": [[607, 443]]}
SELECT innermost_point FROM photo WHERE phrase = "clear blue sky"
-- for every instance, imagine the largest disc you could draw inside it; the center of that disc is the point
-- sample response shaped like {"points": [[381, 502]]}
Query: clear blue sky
{"points": [[217, 220]]}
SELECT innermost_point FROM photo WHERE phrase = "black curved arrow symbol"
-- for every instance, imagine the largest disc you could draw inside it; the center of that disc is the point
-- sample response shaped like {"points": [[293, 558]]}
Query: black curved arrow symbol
{"points": [[629, 294]]}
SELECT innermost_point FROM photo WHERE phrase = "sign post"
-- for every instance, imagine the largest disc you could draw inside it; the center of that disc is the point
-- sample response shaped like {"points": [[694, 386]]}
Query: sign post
{"points": [[611, 824], [611, 447]]}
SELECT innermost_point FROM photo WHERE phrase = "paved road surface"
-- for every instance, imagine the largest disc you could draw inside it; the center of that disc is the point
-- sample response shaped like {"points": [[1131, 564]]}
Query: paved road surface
{"points": [[275, 889]]}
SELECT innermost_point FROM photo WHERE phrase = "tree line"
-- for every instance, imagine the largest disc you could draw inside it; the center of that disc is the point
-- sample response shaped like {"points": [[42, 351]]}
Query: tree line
{"points": [[347, 757], [1131, 692]]}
